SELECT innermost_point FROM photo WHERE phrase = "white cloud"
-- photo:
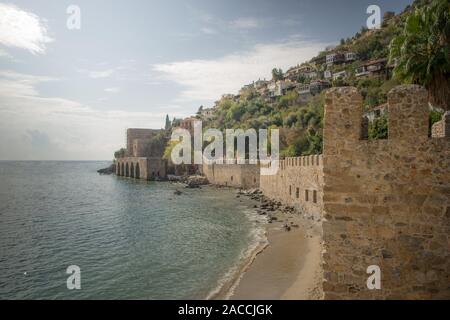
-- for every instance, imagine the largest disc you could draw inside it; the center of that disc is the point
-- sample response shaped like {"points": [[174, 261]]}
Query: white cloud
{"points": [[101, 74], [112, 90], [44, 128], [22, 29], [4, 54], [207, 30], [246, 23], [209, 79]]}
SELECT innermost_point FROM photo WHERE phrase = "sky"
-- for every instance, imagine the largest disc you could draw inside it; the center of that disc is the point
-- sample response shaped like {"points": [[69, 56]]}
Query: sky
{"points": [[70, 94]]}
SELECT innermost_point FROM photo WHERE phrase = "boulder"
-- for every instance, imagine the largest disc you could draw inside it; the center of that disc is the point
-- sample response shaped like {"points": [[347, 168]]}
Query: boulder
{"points": [[196, 181]]}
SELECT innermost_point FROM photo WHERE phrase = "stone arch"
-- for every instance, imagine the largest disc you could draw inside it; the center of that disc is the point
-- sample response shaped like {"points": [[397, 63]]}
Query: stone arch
{"points": [[127, 170], [122, 169], [118, 169], [132, 170], [137, 171]]}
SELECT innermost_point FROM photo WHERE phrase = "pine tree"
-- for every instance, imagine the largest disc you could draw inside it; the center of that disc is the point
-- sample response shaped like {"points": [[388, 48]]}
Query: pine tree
{"points": [[168, 123]]}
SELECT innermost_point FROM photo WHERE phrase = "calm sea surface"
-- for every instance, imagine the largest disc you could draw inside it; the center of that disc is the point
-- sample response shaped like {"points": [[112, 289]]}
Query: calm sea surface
{"points": [[131, 239]]}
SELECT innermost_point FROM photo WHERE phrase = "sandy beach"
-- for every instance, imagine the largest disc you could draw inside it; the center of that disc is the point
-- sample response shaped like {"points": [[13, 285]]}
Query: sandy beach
{"points": [[287, 267]]}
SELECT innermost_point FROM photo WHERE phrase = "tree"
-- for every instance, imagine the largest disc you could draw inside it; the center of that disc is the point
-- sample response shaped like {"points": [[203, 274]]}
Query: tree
{"points": [[277, 74], [200, 109], [422, 51], [120, 153], [168, 124]]}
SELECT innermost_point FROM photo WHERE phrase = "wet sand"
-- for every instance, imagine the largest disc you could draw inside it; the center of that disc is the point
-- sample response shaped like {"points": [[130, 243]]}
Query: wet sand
{"points": [[290, 265]]}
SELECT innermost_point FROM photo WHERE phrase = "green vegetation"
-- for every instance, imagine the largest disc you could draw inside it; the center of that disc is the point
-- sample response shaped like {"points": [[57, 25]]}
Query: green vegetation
{"points": [[119, 153], [378, 128], [422, 50]]}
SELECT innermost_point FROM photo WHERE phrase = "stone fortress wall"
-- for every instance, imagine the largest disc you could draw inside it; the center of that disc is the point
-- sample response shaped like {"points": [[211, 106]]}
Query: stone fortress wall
{"points": [[245, 176], [298, 183], [136, 163], [382, 202], [386, 202], [141, 168]]}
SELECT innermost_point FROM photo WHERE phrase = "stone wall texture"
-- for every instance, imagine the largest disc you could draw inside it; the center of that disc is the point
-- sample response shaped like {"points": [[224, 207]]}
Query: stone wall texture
{"points": [[141, 168], [142, 135], [298, 183], [244, 176], [441, 128], [386, 202], [381, 202]]}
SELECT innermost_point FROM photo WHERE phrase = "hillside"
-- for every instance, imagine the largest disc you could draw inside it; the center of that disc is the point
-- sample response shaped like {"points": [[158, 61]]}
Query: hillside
{"points": [[293, 101]]}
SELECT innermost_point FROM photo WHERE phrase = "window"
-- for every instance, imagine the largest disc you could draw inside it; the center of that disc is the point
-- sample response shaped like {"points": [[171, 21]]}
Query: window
{"points": [[306, 195], [290, 190], [297, 193], [231, 178], [315, 196]]}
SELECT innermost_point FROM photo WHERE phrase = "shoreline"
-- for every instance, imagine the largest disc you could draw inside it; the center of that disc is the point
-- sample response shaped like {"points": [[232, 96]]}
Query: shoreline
{"points": [[286, 267]]}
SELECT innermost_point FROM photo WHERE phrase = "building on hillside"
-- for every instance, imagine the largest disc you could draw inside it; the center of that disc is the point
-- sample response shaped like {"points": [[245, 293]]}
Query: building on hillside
{"points": [[340, 75], [207, 113], [361, 71], [293, 73], [335, 58], [307, 71], [319, 60], [318, 86], [350, 56], [327, 74], [280, 88], [313, 88], [373, 68], [303, 89]]}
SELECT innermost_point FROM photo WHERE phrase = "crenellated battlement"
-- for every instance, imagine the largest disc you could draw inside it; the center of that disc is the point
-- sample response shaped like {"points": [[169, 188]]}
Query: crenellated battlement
{"points": [[381, 202], [386, 202]]}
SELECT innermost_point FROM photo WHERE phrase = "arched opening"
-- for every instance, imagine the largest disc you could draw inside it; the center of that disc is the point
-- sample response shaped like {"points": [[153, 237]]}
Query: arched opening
{"points": [[127, 170], [137, 173], [122, 169], [132, 170], [118, 169]]}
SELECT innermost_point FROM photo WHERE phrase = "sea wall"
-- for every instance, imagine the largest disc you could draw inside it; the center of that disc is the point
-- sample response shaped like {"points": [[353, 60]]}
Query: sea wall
{"points": [[141, 168], [386, 202], [244, 176], [298, 183]]}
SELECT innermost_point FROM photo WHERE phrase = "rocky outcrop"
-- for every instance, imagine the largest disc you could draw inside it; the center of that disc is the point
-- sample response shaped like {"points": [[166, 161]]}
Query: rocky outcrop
{"points": [[196, 181], [109, 170]]}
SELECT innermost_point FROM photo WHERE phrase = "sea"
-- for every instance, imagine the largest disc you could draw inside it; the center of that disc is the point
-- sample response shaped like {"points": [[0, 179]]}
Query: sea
{"points": [[125, 238]]}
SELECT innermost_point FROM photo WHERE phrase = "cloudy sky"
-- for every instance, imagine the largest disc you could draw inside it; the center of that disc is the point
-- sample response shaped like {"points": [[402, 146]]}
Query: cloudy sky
{"points": [[70, 94]]}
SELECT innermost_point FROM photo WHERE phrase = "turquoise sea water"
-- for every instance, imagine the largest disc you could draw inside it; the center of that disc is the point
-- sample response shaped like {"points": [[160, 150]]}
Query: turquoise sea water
{"points": [[131, 239]]}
